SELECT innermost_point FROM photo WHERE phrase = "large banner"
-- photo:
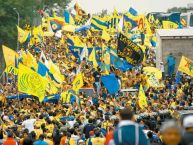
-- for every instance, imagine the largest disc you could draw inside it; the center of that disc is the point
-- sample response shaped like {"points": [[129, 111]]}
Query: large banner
{"points": [[186, 66], [129, 50]]}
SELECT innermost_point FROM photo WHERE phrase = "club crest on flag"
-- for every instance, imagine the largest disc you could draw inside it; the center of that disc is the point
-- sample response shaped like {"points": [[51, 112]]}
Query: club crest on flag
{"points": [[54, 26]]}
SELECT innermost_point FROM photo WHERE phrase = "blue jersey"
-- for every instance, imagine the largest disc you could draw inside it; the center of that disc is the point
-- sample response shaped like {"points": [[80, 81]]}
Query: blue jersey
{"points": [[171, 60]]}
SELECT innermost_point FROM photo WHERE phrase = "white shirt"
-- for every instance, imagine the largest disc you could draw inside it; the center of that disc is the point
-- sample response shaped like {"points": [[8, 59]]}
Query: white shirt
{"points": [[71, 123], [29, 124], [6, 118], [58, 34], [162, 67]]}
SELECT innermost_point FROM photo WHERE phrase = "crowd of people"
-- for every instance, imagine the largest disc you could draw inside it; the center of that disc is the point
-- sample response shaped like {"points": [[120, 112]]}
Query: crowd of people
{"points": [[100, 119], [96, 119]]}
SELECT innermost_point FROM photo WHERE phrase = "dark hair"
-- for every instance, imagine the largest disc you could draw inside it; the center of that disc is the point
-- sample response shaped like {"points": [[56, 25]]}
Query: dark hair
{"points": [[90, 120], [97, 132], [1, 134], [150, 134], [27, 141], [64, 132], [33, 135], [126, 114], [41, 137], [9, 133]]}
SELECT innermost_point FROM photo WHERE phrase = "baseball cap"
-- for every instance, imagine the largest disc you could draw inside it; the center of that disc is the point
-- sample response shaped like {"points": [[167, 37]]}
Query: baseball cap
{"points": [[188, 121]]}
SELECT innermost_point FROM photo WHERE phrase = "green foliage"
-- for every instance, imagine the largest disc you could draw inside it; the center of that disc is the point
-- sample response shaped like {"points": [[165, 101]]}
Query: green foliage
{"points": [[179, 9], [27, 10]]}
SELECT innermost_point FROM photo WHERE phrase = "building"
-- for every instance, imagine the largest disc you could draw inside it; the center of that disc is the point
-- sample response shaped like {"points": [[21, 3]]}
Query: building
{"points": [[176, 41], [190, 5]]}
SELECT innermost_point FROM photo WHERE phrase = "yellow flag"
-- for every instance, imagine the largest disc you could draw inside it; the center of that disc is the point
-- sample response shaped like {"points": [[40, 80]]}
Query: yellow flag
{"points": [[11, 69], [78, 82], [153, 77], [169, 25], [9, 55], [115, 13], [151, 19], [142, 98], [147, 27], [37, 30], [155, 71], [22, 35], [107, 58], [54, 69], [92, 58], [105, 36], [65, 97], [186, 66], [24, 57], [51, 88], [31, 61], [32, 83], [140, 19]]}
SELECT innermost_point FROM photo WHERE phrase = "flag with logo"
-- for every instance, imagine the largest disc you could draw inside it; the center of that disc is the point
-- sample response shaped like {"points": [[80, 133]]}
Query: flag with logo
{"points": [[129, 50], [78, 82], [142, 100], [154, 70], [11, 70], [31, 82], [186, 66], [153, 76], [113, 21], [55, 26], [129, 23], [169, 25], [79, 10], [81, 16]]}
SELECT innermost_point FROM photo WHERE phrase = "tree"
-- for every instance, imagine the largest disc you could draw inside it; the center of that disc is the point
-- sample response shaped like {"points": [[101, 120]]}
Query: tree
{"points": [[104, 12], [179, 9], [27, 10]]}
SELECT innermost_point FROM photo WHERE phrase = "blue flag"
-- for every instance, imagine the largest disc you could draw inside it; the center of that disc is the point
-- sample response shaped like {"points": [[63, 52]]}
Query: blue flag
{"points": [[52, 98], [178, 77], [133, 11], [119, 63], [55, 26], [42, 69], [175, 17], [82, 28], [129, 23], [66, 16], [111, 83]]}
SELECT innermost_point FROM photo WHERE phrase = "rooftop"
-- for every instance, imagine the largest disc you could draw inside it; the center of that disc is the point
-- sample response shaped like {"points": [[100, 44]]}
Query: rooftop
{"points": [[175, 32]]}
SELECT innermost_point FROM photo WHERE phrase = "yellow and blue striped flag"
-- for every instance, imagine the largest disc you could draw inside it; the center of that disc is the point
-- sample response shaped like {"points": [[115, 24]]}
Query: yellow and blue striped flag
{"points": [[68, 18], [98, 24]]}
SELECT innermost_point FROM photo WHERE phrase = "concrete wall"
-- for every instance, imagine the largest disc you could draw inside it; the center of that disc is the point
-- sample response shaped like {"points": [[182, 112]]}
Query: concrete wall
{"points": [[177, 46]]}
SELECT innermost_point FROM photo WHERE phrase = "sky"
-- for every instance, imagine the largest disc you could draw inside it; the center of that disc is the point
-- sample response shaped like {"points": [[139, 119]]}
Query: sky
{"points": [[143, 6]]}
